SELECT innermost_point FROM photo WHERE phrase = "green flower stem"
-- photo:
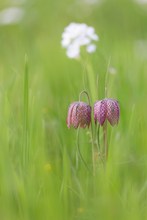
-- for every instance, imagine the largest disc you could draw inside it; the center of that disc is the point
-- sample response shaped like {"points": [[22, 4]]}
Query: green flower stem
{"points": [[105, 141], [79, 152]]}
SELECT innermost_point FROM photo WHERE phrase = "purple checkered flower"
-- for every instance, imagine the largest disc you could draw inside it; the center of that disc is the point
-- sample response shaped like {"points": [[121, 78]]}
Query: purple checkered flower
{"points": [[107, 109], [79, 115]]}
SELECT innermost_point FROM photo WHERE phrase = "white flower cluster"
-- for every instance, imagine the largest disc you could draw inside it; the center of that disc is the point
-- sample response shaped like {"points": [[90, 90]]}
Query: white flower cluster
{"points": [[76, 35]]}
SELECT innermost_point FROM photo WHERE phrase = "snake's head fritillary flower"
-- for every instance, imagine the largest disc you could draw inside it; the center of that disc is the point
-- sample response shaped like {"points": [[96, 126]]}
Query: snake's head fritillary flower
{"points": [[78, 35], [107, 109], [79, 115]]}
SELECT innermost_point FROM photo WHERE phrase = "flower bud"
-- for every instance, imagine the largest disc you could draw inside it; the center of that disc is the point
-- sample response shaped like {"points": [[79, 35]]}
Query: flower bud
{"points": [[106, 109], [79, 115]]}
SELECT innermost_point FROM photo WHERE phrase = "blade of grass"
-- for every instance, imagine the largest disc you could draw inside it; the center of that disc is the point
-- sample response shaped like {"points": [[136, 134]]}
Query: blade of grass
{"points": [[25, 150]]}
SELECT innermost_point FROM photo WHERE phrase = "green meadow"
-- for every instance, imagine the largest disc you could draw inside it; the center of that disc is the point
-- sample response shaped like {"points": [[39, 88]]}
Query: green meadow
{"points": [[42, 177]]}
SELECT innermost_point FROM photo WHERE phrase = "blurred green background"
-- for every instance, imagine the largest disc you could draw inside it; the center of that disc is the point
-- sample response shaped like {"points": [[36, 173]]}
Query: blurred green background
{"points": [[48, 185]]}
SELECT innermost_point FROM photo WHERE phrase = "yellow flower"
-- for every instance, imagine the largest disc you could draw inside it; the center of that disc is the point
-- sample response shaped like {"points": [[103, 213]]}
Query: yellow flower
{"points": [[80, 210], [47, 167]]}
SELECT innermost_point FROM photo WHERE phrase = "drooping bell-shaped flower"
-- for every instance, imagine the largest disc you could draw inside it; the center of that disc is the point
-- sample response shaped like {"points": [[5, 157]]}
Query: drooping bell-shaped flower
{"points": [[79, 115], [107, 109]]}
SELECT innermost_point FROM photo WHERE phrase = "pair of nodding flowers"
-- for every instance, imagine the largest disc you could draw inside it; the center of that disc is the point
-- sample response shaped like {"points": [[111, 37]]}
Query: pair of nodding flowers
{"points": [[79, 113]]}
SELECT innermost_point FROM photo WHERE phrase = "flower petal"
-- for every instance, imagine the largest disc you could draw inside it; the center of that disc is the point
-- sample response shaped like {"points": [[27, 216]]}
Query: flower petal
{"points": [[100, 111], [69, 115], [112, 111], [91, 48]]}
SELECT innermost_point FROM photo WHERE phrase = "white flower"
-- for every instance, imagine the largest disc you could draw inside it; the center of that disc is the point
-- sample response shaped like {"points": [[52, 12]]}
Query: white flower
{"points": [[76, 35], [91, 48], [11, 15], [73, 51]]}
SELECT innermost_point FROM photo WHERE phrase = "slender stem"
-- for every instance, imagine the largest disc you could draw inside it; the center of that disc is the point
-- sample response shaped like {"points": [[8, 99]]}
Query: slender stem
{"points": [[93, 151], [86, 93], [90, 77], [106, 78], [92, 138], [98, 137], [79, 151], [98, 143], [105, 140]]}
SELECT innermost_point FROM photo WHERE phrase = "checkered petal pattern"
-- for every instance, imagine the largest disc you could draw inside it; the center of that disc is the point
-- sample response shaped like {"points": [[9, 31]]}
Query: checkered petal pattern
{"points": [[107, 109], [79, 115], [112, 111], [100, 111]]}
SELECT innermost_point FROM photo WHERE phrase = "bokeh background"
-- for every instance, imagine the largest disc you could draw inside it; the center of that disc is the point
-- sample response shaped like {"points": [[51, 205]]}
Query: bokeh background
{"points": [[49, 186]]}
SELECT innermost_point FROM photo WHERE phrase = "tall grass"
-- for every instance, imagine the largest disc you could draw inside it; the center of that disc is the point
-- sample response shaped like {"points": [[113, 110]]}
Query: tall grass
{"points": [[25, 141]]}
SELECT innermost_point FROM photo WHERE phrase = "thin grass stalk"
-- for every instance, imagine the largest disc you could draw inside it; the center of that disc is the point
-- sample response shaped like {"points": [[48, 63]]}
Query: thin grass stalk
{"points": [[107, 78], [105, 124], [92, 82], [25, 116], [89, 73]]}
